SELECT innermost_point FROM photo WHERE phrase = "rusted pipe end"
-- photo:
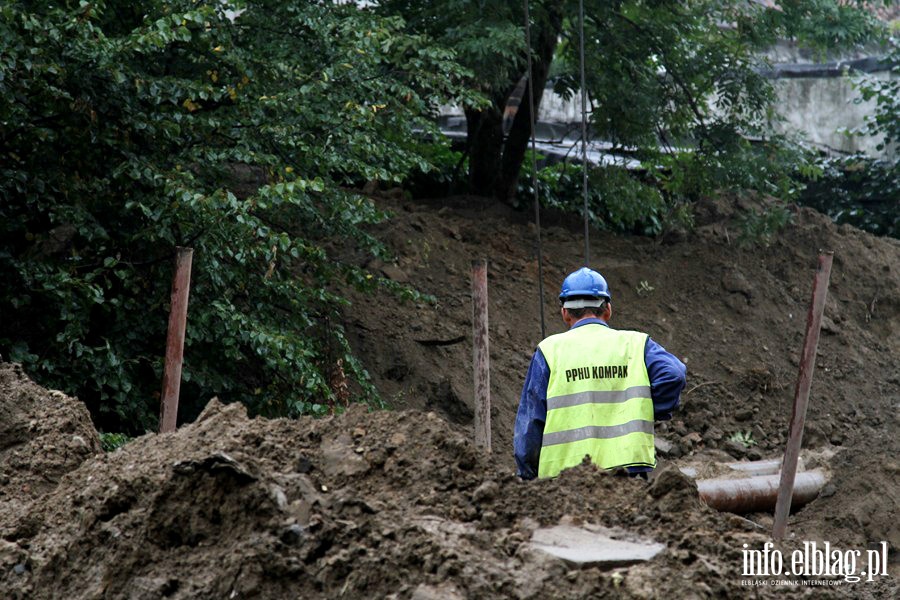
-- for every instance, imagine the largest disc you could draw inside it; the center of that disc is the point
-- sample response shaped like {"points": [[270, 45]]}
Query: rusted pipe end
{"points": [[758, 494]]}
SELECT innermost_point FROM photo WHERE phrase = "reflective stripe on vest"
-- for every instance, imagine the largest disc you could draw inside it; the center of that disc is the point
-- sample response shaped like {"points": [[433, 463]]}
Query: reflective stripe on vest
{"points": [[598, 400]]}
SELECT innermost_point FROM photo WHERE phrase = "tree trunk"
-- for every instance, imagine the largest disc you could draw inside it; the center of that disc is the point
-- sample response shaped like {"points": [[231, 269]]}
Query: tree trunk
{"points": [[484, 140], [495, 161], [520, 132]]}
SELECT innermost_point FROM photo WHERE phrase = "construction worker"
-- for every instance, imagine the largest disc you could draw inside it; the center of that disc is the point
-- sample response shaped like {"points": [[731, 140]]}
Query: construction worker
{"points": [[594, 391]]}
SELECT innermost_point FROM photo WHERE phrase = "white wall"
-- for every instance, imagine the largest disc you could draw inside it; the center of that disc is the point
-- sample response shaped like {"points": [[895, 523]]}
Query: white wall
{"points": [[822, 107]]}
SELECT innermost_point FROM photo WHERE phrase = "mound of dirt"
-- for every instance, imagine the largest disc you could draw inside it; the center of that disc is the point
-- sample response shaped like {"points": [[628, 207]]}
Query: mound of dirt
{"points": [[384, 504], [733, 312], [43, 435], [361, 505]]}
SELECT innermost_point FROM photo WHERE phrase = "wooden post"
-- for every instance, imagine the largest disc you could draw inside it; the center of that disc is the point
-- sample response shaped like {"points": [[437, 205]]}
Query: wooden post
{"points": [[171, 383], [801, 394], [481, 355]]}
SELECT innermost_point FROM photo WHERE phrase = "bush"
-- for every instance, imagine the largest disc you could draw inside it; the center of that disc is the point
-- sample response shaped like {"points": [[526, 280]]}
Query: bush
{"points": [[862, 190], [759, 226], [617, 199], [858, 190], [111, 442]]}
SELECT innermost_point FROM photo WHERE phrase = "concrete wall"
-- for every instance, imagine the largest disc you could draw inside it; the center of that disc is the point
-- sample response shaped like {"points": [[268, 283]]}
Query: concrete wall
{"points": [[821, 108], [822, 105]]}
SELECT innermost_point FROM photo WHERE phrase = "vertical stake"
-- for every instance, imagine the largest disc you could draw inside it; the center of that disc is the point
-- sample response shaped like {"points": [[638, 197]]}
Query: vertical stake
{"points": [[171, 383], [801, 394], [481, 355]]}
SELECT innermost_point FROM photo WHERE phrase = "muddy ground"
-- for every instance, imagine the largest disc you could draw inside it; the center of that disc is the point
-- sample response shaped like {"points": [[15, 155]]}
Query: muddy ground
{"points": [[400, 504], [734, 313]]}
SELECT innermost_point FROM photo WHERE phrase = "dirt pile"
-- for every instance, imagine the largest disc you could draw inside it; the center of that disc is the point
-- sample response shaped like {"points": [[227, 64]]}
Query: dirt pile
{"points": [[44, 434], [733, 312], [386, 504], [361, 505]]}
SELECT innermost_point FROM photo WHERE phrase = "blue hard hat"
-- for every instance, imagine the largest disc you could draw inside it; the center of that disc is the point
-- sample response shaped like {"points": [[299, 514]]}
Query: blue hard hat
{"points": [[585, 282]]}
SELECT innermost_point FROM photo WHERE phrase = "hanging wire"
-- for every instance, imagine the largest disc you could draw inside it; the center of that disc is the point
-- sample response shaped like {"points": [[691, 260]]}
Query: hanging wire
{"points": [[534, 186], [584, 163]]}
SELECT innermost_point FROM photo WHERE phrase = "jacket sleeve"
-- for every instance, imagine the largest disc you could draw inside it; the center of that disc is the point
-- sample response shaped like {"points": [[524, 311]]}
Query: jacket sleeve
{"points": [[667, 379], [530, 419]]}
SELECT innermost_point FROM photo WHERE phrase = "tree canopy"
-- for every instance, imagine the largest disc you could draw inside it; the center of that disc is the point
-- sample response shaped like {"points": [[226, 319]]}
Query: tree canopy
{"points": [[661, 78], [237, 128]]}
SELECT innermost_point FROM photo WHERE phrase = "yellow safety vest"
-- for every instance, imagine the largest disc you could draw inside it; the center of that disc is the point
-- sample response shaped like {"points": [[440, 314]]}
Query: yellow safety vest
{"points": [[598, 400]]}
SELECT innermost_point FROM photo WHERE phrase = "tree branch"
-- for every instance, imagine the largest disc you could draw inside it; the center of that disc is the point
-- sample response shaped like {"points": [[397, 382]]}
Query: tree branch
{"points": [[654, 43]]}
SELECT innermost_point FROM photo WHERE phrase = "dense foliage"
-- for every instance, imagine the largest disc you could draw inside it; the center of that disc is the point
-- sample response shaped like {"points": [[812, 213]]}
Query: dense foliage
{"points": [[233, 127], [858, 190], [861, 190], [885, 93]]}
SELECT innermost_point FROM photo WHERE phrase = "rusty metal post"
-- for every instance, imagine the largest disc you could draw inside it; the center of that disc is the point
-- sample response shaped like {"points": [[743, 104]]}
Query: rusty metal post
{"points": [[757, 494], [481, 355], [801, 394], [171, 383]]}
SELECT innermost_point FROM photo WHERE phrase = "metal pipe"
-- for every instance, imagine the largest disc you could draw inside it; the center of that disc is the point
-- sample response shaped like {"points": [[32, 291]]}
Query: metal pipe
{"points": [[481, 355], [757, 494], [753, 468], [171, 383], [801, 394], [770, 466]]}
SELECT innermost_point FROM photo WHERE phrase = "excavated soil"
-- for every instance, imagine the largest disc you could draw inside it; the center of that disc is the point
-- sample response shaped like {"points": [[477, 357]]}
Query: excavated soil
{"points": [[401, 504], [43, 435], [734, 313]]}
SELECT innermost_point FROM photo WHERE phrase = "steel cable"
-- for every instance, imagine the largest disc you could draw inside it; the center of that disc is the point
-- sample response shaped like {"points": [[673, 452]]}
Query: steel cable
{"points": [[584, 163], [534, 186]]}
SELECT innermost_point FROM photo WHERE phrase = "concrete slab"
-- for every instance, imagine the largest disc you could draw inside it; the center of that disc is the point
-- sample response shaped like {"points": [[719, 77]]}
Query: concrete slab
{"points": [[582, 547]]}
